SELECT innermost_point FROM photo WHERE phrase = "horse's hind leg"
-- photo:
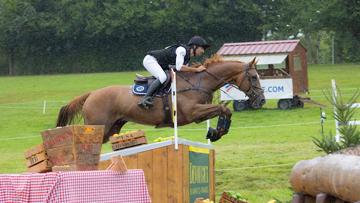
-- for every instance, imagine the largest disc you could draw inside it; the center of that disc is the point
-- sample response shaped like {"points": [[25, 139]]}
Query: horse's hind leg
{"points": [[115, 128]]}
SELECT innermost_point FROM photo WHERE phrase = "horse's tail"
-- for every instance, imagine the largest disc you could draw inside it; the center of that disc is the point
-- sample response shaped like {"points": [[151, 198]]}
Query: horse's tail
{"points": [[68, 112]]}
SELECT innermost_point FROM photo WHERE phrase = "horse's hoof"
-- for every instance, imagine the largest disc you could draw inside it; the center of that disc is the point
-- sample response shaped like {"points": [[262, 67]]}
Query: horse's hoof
{"points": [[213, 135]]}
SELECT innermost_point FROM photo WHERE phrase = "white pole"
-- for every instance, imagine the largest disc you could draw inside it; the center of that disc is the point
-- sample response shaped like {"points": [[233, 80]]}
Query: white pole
{"points": [[337, 136], [207, 129], [174, 108], [44, 107]]}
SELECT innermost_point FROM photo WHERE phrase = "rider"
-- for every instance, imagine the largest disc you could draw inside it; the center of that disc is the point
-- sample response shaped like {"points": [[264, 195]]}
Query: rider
{"points": [[174, 56]]}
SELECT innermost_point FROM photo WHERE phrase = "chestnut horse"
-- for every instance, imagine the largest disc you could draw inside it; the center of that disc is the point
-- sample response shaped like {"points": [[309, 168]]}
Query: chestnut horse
{"points": [[114, 106]]}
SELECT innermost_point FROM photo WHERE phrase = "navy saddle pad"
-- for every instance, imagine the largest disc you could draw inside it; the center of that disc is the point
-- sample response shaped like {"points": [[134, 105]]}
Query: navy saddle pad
{"points": [[142, 85]]}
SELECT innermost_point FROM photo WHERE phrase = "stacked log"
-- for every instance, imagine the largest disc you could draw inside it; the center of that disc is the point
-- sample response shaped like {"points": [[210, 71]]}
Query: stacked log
{"points": [[337, 175]]}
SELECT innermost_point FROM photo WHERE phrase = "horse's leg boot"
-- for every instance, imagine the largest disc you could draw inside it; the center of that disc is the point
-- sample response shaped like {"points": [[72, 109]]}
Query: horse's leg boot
{"points": [[147, 101], [223, 125]]}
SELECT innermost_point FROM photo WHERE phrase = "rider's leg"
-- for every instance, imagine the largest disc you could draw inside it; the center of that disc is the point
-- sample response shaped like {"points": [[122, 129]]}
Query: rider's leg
{"points": [[155, 69]]}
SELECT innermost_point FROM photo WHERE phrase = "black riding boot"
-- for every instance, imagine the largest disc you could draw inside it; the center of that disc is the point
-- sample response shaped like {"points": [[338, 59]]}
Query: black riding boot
{"points": [[146, 101]]}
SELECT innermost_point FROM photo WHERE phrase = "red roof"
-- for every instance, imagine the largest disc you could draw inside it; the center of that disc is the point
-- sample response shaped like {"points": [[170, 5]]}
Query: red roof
{"points": [[261, 47]]}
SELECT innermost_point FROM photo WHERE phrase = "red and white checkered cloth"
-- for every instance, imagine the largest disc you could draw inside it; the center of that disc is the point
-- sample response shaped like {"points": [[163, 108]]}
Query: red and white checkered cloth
{"points": [[77, 186]]}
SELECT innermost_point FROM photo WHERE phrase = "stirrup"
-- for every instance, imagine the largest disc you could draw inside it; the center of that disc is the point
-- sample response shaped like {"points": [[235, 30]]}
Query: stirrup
{"points": [[143, 105], [146, 102]]}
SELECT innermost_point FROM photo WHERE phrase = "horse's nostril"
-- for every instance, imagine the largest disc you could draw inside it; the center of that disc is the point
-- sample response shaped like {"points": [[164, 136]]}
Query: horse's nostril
{"points": [[262, 102]]}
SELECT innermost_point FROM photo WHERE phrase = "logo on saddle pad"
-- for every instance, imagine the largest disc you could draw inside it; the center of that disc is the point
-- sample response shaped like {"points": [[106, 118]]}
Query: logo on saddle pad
{"points": [[139, 88]]}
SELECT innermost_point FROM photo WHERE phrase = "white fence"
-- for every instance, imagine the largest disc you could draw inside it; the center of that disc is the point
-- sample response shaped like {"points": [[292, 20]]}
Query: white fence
{"points": [[356, 105]]}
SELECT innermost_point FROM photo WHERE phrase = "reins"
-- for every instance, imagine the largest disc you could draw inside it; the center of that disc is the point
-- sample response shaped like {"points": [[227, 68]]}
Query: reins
{"points": [[209, 93], [247, 67], [193, 87]]}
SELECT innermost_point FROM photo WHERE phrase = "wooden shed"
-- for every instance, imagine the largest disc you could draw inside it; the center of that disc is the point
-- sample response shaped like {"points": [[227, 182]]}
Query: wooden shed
{"points": [[177, 176], [277, 60]]}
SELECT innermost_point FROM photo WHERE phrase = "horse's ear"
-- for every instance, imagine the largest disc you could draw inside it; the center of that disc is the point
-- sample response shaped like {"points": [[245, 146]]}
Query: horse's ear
{"points": [[252, 62]]}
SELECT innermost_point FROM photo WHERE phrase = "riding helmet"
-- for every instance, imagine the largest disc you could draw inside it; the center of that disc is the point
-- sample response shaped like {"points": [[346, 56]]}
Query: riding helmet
{"points": [[198, 41]]}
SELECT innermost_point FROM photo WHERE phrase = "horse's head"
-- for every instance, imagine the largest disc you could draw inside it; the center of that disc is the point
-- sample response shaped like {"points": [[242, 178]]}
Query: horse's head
{"points": [[249, 82]]}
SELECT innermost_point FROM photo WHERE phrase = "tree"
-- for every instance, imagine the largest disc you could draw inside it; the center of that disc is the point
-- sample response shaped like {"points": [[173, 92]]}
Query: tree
{"points": [[15, 17], [49, 36]]}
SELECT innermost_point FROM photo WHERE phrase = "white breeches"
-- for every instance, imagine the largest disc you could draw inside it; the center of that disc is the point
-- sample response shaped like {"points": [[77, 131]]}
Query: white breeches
{"points": [[151, 65]]}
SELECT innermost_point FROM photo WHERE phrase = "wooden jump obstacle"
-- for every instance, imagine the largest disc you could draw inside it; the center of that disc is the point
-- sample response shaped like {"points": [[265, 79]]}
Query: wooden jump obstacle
{"points": [[172, 175]]}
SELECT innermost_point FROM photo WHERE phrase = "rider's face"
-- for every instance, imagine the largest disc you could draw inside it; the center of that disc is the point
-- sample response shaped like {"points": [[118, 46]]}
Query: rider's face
{"points": [[199, 51]]}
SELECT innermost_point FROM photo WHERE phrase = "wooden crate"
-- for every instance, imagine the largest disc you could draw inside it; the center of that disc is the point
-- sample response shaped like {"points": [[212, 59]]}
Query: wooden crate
{"points": [[75, 147], [168, 172], [225, 198], [129, 139], [37, 160]]}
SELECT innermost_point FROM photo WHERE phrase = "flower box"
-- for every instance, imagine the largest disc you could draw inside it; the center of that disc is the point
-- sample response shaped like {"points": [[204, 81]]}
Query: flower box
{"points": [[37, 160], [128, 139], [74, 147]]}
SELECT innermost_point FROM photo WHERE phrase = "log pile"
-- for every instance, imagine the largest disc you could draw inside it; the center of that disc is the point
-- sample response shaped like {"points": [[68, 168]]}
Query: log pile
{"points": [[337, 175]]}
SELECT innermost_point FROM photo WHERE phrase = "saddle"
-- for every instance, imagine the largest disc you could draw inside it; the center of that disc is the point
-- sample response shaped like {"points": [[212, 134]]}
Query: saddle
{"points": [[142, 84]]}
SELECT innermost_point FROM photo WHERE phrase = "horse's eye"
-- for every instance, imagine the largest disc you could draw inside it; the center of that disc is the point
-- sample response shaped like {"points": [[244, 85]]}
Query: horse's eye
{"points": [[254, 77]]}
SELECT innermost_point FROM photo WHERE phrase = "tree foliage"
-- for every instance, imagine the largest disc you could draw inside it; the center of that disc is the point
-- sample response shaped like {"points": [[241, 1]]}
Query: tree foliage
{"points": [[54, 36]]}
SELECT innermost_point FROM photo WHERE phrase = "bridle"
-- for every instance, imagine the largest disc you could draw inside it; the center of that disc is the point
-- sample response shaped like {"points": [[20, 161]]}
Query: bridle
{"points": [[253, 90]]}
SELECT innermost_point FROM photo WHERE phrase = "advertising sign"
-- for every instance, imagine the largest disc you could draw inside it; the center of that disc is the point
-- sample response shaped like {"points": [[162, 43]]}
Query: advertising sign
{"points": [[198, 173], [273, 89]]}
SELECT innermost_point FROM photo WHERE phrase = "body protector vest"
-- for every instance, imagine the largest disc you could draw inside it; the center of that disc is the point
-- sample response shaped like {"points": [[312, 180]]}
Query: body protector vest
{"points": [[167, 57]]}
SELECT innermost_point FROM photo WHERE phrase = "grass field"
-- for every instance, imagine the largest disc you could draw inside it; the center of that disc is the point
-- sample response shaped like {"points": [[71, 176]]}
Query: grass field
{"points": [[255, 158]]}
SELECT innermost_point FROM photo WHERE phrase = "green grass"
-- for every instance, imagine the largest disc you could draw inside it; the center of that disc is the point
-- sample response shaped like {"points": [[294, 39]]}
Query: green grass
{"points": [[255, 158]]}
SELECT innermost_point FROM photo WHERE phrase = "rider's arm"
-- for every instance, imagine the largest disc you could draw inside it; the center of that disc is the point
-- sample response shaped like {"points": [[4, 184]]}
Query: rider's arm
{"points": [[180, 54], [186, 68]]}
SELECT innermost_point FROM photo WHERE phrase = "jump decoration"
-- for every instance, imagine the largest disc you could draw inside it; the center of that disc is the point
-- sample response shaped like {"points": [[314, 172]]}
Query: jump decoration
{"points": [[37, 160], [128, 139], [335, 176], [70, 148], [232, 197]]}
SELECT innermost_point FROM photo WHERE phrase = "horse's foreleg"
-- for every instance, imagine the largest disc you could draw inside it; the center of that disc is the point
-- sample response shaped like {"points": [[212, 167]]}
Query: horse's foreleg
{"points": [[203, 112], [115, 128], [206, 111]]}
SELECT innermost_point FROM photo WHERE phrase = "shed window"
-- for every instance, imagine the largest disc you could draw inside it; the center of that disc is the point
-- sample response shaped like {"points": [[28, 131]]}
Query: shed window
{"points": [[297, 63], [269, 65], [281, 65]]}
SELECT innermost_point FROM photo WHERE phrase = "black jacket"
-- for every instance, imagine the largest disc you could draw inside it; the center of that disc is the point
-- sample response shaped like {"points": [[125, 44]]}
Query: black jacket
{"points": [[167, 56]]}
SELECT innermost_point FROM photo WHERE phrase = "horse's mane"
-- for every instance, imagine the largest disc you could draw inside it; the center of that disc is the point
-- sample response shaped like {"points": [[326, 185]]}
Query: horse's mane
{"points": [[216, 58]]}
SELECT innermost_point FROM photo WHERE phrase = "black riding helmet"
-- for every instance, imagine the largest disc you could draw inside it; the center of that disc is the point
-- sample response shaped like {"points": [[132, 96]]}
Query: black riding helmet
{"points": [[198, 42]]}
